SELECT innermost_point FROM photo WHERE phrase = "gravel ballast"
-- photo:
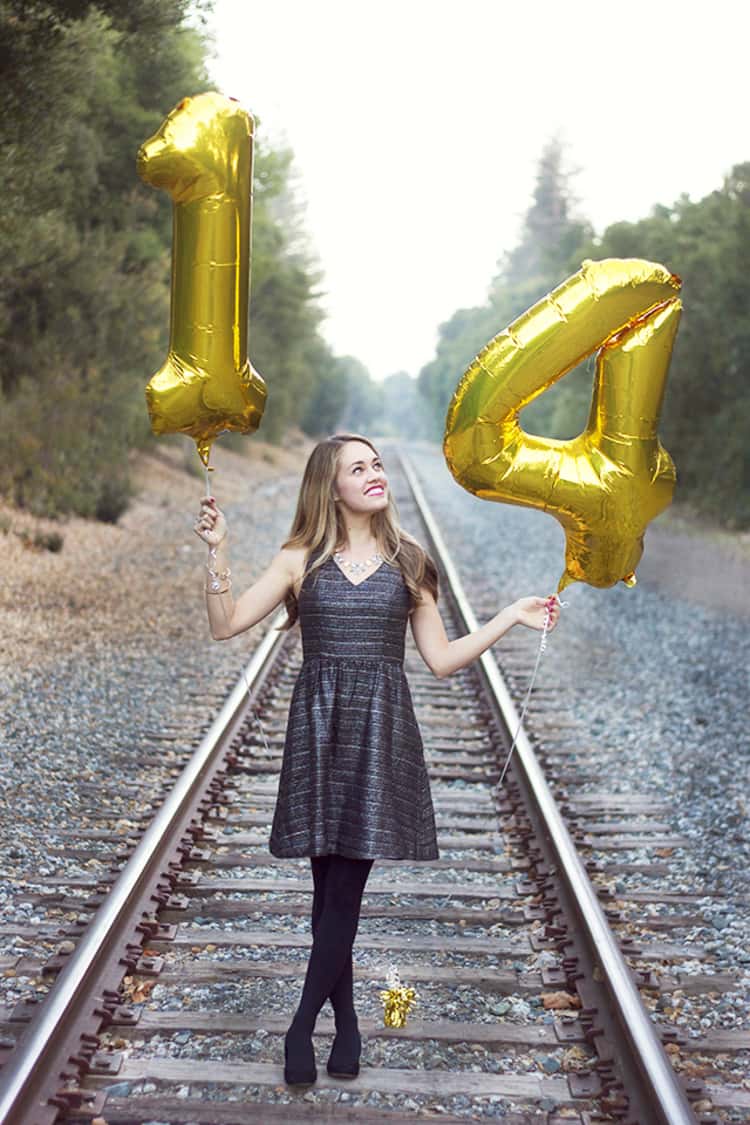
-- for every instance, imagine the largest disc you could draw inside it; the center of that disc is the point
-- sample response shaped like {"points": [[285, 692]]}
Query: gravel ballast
{"points": [[111, 650]]}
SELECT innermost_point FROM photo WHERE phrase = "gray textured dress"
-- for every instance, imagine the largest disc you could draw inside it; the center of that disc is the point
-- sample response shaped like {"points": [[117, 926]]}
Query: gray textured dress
{"points": [[353, 778]]}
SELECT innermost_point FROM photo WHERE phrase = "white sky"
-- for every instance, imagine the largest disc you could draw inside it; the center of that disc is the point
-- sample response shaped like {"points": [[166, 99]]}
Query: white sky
{"points": [[417, 126]]}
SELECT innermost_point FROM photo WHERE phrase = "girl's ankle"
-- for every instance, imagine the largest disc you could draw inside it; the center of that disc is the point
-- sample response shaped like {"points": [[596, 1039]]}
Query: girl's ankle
{"points": [[300, 1027]]}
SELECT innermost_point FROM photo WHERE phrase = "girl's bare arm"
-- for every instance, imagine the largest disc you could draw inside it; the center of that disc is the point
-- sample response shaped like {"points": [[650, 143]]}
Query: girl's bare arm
{"points": [[443, 656], [227, 617]]}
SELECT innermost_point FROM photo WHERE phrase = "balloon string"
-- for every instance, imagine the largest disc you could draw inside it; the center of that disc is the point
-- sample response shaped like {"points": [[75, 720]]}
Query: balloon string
{"points": [[248, 688], [525, 704]]}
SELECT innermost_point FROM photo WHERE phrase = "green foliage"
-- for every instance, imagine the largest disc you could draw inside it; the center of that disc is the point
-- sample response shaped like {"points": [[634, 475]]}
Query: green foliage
{"points": [[551, 234], [60, 468], [42, 540], [707, 402], [404, 412], [328, 395], [84, 280], [363, 409]]}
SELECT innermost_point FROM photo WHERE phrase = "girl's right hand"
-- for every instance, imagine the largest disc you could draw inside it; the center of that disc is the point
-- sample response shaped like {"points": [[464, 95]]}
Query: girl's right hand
{"points": [[211, 526], [534, 612]]}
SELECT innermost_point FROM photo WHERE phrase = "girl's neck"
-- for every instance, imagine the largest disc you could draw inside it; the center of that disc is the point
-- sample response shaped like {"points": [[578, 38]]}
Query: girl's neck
{"points": [[358, 534]]}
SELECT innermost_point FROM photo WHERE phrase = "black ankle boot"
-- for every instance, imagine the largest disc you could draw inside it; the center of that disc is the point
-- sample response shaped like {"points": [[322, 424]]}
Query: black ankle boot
{"points": [[300, 1069], [343, 1061]]}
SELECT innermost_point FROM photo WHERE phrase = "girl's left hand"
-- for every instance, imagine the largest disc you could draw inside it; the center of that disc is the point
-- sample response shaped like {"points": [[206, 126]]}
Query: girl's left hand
{"points": [[532, 612], [211, 525]]}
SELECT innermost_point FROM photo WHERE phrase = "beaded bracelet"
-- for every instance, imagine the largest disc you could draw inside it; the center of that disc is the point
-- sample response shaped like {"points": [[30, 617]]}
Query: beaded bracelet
{"points": [[216, 578]]}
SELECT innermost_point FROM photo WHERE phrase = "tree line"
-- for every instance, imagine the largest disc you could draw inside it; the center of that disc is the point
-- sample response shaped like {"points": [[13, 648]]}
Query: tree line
{"points": [[84, 278]]}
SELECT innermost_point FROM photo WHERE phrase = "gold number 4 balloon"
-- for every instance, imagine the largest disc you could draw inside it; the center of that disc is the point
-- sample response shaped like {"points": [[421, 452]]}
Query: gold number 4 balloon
{"points": [[605, 485], [202, 154]]}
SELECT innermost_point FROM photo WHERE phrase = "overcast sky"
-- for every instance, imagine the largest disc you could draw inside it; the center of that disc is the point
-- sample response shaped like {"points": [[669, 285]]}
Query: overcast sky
{"points": [[417, 126]]}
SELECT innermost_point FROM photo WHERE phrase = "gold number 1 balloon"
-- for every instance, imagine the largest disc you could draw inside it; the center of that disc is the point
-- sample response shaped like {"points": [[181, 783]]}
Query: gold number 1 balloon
{"points": [[605, 485], [202, 155]]}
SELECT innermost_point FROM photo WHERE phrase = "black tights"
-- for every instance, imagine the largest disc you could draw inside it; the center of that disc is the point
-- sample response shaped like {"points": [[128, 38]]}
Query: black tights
{"points": [[339, 883]]}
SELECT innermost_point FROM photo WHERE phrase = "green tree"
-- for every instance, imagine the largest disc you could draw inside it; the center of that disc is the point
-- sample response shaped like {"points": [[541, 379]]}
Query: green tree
{"points": [[404, 412], [83, 285], [363, 412], [328, 395], [552, 232]]}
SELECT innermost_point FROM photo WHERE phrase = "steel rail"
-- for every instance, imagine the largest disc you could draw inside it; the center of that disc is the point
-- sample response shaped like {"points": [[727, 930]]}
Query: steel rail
{"points": [[20, 1080], [666, 1098]]}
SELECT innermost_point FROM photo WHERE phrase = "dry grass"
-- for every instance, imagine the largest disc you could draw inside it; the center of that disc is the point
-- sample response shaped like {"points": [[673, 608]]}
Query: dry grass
{"points": [[119, 580]]}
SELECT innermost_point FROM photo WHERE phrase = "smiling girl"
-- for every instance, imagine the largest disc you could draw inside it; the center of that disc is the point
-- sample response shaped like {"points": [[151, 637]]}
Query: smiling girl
{"points": [[353, 785]]}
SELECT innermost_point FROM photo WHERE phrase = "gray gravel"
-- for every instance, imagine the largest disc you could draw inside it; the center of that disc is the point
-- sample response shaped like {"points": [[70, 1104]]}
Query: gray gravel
{"points": [[653, 680]]}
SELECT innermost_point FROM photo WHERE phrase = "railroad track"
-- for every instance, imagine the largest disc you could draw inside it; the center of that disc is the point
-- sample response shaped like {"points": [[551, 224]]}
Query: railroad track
{"points": [[539, 954]]}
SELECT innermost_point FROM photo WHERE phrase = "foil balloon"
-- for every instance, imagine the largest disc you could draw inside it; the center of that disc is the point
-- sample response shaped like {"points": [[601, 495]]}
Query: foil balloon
{"points": [[605, 485], [202, 156]]}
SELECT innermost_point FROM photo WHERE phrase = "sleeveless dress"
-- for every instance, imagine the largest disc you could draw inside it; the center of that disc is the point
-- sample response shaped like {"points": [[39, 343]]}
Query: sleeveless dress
{"points": [[353, 778]]}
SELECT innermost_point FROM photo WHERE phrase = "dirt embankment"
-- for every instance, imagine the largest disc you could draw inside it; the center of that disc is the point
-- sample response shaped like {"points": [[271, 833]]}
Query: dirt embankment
{"points": [[113, 581]]}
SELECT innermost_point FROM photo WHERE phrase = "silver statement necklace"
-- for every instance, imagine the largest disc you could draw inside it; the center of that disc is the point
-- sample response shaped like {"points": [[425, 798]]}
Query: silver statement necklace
{"points": [[357, 567]]}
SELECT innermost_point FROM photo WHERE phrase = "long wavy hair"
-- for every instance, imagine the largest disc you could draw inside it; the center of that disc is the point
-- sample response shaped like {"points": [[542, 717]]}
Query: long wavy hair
{"points": [[319, 528]]}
